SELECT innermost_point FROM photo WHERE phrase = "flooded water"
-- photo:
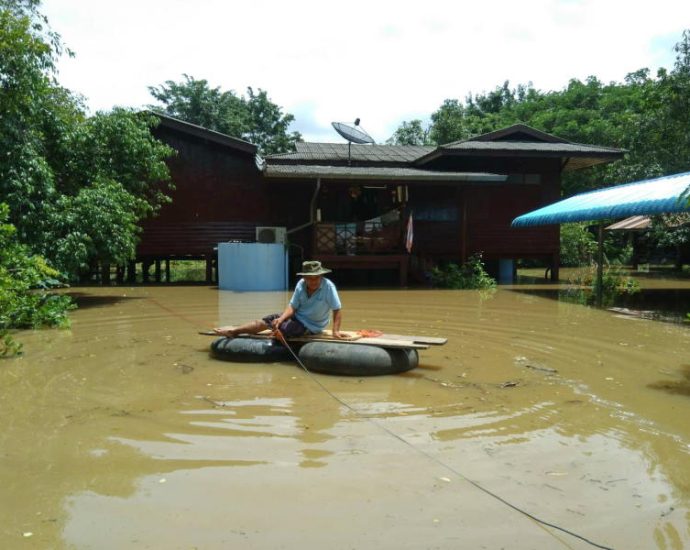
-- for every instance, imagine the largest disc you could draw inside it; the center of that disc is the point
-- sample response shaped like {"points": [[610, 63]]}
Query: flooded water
{"points": [[122, 432]]}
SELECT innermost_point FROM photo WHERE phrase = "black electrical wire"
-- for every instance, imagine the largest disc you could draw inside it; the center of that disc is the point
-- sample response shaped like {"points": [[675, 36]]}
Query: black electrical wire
{"points": [[438, 461]]}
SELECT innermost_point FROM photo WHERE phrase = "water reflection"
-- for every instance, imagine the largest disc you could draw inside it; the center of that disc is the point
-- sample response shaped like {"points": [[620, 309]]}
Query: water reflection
{"points": [[680, 387], [131, 435], [659, 298]]}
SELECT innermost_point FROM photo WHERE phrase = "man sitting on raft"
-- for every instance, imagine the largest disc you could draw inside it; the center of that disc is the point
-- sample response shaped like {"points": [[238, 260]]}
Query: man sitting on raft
{"points": [[308, 311]]}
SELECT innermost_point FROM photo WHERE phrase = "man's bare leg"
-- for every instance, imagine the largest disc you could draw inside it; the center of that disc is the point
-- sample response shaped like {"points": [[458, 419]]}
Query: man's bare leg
{"points": [[253, 327]]}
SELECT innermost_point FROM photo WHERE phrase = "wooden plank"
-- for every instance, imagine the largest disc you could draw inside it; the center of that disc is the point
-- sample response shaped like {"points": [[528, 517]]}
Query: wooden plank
{"points": [[325, 335], [381, 342], [432, 340]]}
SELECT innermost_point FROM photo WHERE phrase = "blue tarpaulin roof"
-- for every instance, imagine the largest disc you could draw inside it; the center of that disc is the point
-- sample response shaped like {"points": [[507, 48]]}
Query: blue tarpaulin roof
{"points": [[655, 196]]}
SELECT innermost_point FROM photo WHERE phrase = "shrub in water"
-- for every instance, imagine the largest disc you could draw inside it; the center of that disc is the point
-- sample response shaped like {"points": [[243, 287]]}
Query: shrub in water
{"points": [[25, 280], [471, 274]]}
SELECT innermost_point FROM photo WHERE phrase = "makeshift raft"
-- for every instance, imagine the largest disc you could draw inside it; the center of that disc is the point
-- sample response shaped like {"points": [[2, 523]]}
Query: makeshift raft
{"points": [[353, 355]]}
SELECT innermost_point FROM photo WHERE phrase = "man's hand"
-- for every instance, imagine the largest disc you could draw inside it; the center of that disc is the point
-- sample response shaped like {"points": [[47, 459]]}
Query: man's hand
{"points": [[279, 336], [338, 334]]}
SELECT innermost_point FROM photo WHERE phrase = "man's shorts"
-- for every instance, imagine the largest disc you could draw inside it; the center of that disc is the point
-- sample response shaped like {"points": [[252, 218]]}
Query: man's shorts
{"points": [[290, 328]]}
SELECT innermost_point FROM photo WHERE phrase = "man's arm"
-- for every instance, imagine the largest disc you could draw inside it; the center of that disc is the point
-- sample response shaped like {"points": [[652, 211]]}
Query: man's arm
{"points": [[337, 318], [289, 312]]}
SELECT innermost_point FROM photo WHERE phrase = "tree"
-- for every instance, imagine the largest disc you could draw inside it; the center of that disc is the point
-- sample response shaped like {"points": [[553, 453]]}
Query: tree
{"points": [[56, 160], [254, 118], [24, 281], [410, 133], [647, 116], [196, 102], [448, 123]]}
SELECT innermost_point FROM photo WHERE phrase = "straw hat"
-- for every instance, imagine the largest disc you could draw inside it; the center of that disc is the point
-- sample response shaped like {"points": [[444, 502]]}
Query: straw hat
{"points": [[313, 267]]}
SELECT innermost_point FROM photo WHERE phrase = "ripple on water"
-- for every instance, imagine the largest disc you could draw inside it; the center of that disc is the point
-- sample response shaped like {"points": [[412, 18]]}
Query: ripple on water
{"points": [[548, 403]]}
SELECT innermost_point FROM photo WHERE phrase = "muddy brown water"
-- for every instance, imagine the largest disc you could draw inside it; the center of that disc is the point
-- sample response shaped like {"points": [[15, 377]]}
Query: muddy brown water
{"points": [[122, 432]]}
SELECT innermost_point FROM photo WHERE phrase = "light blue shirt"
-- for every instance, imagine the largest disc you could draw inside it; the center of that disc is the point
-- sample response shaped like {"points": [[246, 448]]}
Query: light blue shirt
{"points": [[314, 311]]}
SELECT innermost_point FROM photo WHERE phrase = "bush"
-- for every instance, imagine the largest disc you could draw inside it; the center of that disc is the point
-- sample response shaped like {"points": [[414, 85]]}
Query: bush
{"points": [[25, 281], [471, 274], [615, 284], [578, 245]]}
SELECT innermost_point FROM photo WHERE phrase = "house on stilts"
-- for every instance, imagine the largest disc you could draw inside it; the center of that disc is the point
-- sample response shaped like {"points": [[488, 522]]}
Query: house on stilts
{"points": [[350, 205]]}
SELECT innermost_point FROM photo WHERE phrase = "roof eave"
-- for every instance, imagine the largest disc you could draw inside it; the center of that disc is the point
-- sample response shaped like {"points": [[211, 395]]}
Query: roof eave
{"points": [[373, 176], [204, 133], [599, 157]]}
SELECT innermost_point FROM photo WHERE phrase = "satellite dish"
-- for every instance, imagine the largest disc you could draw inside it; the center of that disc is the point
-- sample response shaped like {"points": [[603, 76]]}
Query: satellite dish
{"points": [[352, 133]]}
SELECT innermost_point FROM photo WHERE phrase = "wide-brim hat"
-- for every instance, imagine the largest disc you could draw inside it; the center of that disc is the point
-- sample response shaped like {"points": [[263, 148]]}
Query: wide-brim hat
{"points": [[313, 267]]}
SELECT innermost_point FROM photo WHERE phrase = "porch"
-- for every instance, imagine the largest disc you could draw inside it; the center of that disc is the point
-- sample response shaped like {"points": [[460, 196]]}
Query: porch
{"points": [[377, 243]]}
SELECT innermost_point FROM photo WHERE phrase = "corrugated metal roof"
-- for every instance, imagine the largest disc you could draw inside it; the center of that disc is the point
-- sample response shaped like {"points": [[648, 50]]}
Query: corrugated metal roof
{"points": [[633, 223], [655, 196], [515, 141], [359, 153], [515, 133], [374, 173], [204, 133], [523, 146]]}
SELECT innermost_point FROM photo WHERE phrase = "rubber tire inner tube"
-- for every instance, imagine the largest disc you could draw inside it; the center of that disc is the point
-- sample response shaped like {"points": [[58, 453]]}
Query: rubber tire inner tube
{"points": [[356, 359], [250, 350]]}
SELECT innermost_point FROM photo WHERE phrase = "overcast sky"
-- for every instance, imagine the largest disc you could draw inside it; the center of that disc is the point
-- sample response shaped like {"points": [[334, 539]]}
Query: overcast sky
{"points": [[382, 61]]}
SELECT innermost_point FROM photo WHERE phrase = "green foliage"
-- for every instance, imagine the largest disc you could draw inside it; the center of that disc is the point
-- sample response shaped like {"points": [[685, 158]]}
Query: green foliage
{"points": [[188, 270], [410, 133], [118, 146], [25, 280], [578, 245], [648, 116], [615, 284], [196, 102], [470, 275], [99, 222], [671, 230], [8, 345], [254, 118], [76, 186]]}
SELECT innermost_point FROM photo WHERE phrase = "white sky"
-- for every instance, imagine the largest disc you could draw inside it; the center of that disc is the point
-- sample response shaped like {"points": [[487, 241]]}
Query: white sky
{"points": [[382, 61]]}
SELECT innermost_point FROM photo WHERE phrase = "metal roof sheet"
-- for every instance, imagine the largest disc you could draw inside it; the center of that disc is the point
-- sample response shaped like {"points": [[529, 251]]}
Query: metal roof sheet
{"points": [[204, 133], [568, 148], [633, 223], [339, 151], [374, 173], [654, 196]]}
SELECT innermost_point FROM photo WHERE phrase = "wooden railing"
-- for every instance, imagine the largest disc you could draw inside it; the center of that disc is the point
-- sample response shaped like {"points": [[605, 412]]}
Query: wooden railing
{"points": [[358, 238]]}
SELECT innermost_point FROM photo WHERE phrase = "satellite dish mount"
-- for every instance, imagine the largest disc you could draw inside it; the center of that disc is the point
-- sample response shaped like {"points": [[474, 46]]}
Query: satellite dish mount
{"points": [[353, 134]]}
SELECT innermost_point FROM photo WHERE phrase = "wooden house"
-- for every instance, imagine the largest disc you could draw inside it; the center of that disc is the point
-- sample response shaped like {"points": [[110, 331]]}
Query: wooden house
{"points": [[350, 206]]}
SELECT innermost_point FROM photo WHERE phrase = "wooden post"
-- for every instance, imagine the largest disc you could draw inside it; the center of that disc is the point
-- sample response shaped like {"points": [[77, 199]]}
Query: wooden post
{"points": [[131, 272], [167, 270], [600, 266], [158, 270], [555, 266], [463, 232], [209, 269], [105, 274]]}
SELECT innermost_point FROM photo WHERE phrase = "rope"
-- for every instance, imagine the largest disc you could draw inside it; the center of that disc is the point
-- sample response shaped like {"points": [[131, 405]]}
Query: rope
{"points": [[431, 457]]}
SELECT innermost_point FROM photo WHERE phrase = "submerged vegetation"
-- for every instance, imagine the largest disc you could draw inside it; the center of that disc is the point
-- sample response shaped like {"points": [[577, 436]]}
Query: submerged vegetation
{"points": [[25, 283], [470, 275], [583, 285]]}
